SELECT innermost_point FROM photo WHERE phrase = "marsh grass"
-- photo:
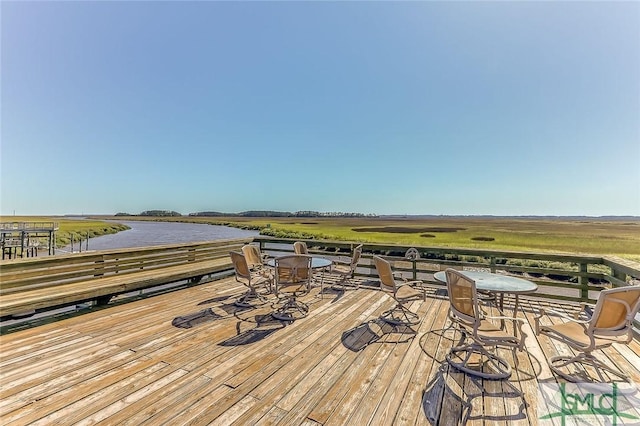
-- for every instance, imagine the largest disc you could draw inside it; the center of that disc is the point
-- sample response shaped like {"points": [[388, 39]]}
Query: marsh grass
{"points": [[585, 236]]}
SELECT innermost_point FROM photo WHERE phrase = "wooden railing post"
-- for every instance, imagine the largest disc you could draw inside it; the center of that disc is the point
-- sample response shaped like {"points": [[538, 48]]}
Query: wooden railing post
{"points": [[492, 263], [583, 281], [619, 275], [99, 268], [415, 269]]}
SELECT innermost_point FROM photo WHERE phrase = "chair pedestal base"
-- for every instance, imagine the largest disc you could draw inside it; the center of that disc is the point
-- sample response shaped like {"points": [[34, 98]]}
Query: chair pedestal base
{"points": [[460, 358], [250, 300], [556, 363], [399, 315], [291, 310]]}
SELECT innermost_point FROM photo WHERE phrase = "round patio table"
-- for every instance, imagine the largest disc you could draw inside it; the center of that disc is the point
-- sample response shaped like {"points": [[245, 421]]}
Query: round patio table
{"points": [[496, 283], [316, 262]]}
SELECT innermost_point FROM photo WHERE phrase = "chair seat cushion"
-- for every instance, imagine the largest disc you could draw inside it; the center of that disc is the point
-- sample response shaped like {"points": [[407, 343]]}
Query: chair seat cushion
{"points": [[575, 334], [487, 330], [259, 279], [293, 288], [341, 269], [407, 292]]}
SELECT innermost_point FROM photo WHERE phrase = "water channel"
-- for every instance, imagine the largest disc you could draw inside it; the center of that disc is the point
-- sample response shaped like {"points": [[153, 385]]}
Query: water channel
{"points": [[144, 234]]}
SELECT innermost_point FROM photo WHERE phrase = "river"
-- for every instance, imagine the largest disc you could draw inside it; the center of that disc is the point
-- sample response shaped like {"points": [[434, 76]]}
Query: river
{"points": [[143, 234]]}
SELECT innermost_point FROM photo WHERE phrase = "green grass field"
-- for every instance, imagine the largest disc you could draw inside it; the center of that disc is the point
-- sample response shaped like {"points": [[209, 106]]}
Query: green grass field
{"points": [[585, 236]]}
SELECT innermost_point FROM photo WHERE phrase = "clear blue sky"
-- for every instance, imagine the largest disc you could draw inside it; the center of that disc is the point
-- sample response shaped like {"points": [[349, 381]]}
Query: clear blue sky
{"points": [[504, 108]]}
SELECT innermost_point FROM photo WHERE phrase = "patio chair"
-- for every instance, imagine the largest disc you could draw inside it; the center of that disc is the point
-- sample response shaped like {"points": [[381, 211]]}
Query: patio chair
{"points": [[292, 279], [402, 292], [346, 270], [256, 260], [479, 333], [485, 297], [251, 280], [300, 247], [611, 322]]}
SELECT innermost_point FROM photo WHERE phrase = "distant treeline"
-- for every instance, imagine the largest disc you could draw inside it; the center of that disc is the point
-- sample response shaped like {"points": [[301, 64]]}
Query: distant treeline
{"points": [[250, 213], [162, 213], [309, 213], [269, 213]]}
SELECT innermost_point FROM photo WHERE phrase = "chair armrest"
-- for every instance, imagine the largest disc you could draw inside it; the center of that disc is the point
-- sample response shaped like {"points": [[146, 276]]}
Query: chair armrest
{"points": [[563, 315], [543, 312], [583, 309], [522, 320], [399, 275], [517, 324], [415, 283]]}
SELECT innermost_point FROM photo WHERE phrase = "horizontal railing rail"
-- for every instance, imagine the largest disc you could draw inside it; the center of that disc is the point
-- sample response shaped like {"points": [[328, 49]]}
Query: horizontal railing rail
{"points": [[19, 274], [28, 226]]}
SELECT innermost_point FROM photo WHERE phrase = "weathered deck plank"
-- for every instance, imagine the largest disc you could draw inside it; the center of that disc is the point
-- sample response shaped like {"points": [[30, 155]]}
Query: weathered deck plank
{"points": [[128, 364]]}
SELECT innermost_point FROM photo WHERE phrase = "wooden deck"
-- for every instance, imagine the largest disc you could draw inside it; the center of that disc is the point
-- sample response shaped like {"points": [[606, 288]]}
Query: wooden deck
{"points": [[137, 364]]}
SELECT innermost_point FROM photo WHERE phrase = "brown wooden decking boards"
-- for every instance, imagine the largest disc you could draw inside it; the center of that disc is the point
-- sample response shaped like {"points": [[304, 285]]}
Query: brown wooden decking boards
{"points": [[192, 357]]}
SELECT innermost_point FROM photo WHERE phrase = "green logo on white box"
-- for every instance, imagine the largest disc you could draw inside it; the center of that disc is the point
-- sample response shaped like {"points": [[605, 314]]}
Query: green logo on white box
{"points": [[572, 403]]}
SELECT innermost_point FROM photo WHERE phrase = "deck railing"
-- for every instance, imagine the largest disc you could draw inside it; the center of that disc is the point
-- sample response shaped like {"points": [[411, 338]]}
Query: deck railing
{"points": [[568, 277], [29, 226]]}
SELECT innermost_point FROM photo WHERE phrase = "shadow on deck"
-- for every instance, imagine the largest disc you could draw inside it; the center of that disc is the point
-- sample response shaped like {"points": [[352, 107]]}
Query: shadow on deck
{"points": [[191, 356]]}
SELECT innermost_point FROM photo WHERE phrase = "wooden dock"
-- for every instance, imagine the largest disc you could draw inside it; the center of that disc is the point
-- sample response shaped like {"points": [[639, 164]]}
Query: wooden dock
{"points": [[192, 357], [26, 236]]}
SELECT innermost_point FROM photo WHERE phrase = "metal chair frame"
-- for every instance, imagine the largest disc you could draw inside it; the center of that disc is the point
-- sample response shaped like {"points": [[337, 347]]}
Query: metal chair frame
{"points": [[346, 271], [402, 292], [293, 275], [611, 322], [300, 247], [250, 279], [478, 331]]}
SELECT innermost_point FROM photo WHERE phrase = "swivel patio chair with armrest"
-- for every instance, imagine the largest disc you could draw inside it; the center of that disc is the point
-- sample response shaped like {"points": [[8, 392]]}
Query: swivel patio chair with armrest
{"points": [[251, 280], [256, 260], [611, 322], [478, 331], [484, 297], [300, 247], [402, 292], [292, 279], [347, 270]]}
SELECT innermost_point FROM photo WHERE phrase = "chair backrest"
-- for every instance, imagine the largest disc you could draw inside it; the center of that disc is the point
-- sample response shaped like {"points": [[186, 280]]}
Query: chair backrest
{"points": [[387, 281], [300, 247], [615, 310], [462, 295], [293, 269], [252, 255], [240, 266], [357, 253]]}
